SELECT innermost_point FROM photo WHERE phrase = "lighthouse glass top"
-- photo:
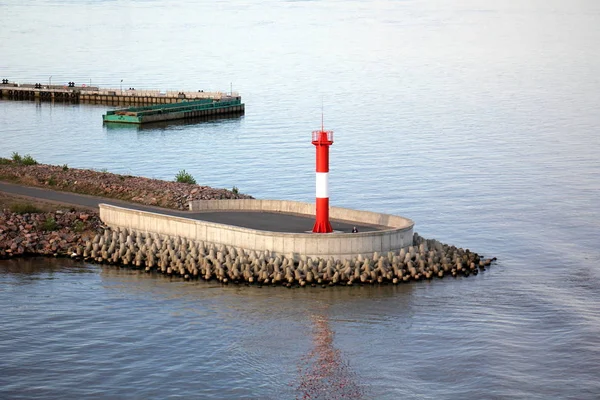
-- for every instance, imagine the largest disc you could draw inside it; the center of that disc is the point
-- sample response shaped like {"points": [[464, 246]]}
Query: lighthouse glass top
{"points": [[322, 137]]}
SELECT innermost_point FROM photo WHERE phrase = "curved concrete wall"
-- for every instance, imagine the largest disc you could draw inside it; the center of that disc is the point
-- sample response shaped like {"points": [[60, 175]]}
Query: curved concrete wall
{"points": [[336, 245], [296, 207]]}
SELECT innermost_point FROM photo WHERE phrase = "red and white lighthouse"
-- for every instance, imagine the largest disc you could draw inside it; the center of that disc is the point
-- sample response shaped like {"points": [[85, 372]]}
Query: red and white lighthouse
{"points": [[322, 140]]}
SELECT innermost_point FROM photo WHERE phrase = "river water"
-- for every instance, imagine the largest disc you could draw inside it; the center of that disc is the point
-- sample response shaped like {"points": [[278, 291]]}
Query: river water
{"points": [[477, 119]]}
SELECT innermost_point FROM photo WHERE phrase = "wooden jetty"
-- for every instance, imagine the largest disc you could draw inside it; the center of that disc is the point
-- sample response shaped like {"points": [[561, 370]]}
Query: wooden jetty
{"points": [[169, 112], [95, 95]]}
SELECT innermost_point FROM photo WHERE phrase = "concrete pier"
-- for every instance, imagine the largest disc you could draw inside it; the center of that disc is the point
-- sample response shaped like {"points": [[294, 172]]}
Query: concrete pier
{"points": [[97, 95]]}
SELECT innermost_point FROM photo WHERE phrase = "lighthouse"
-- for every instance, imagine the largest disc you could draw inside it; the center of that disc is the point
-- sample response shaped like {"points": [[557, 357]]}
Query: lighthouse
{"points": [[322, 140]]}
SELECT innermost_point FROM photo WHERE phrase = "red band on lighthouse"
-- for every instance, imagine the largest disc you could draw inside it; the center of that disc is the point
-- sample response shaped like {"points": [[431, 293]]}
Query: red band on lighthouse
{"points": [[322, 140], [322, 158]]}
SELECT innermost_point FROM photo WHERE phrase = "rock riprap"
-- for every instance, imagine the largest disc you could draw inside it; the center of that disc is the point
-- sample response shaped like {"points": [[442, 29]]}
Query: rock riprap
{"points": [[56, 233]]}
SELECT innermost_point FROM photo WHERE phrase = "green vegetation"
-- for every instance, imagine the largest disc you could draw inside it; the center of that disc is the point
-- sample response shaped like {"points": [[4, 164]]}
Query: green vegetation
{"points": [[25, 160], [49, 224], [235, 190], [52, 181], [5, 161], [184, 177], [65, 167], [28, 160], [24, 208], [78, 226]]}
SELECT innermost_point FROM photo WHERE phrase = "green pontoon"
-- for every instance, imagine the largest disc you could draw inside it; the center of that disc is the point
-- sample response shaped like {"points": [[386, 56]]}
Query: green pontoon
{"points": [[176, 111]]}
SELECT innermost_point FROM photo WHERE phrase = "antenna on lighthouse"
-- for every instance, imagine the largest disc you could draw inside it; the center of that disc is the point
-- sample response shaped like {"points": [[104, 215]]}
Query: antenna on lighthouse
{"points": [[322, 129]]}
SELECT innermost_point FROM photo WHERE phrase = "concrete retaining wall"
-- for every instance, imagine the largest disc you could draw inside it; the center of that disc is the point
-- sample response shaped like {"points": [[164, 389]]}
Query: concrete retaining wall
{"points": [[336, 245]]}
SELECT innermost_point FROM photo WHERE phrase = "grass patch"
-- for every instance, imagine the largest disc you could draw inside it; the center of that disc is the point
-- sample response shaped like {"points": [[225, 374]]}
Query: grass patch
{"points": [[49, 224], [78, 226], [52, 181], [184, 177], [28, 160], [23, 160], [24, 208]]}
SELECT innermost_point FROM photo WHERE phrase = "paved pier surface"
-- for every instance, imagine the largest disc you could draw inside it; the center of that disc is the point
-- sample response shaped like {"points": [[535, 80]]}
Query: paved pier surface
{"points": [[265, 221]]}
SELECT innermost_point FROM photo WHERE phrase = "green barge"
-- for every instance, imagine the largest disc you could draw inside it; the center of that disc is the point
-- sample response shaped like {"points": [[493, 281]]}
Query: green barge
{"points": [[176, 111]]}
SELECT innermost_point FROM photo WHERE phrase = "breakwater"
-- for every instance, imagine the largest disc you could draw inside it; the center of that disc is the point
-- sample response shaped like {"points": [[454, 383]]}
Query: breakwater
{"points": [[189, 259], [81, 235]]}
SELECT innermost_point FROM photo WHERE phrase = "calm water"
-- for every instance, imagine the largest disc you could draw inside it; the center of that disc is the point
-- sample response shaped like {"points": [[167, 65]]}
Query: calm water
{"points": [[477, 119]]}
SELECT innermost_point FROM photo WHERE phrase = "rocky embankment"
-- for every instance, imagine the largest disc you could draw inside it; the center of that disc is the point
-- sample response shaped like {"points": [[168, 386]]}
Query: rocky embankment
{"points": [[188, 259], [136, 189], [51, 234]]}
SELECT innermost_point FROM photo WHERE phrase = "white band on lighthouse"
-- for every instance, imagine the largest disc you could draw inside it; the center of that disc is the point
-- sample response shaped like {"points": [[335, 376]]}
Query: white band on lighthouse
{"points": [[322, 185]]}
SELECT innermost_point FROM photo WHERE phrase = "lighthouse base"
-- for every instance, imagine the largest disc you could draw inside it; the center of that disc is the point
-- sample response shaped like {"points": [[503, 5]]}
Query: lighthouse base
{"points": [[322, 227], [322, 224]]}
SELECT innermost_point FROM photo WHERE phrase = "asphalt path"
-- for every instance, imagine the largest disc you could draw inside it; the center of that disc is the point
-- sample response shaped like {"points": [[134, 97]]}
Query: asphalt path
{"points": [[264, 221]]}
